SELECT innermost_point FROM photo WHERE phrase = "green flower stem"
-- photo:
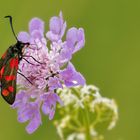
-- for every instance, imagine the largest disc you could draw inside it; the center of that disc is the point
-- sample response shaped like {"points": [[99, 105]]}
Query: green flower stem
{"points": [[87, 124]]}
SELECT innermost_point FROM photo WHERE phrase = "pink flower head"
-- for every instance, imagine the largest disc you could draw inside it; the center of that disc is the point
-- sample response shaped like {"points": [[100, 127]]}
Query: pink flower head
{"points": [[47, 68]]}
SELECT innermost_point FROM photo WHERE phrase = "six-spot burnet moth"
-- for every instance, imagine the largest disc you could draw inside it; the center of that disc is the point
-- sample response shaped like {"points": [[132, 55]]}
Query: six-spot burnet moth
{"points": [[9, 67]]}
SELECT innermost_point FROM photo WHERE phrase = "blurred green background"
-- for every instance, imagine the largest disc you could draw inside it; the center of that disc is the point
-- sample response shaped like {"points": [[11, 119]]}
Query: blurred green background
{"points": [[110, 59]]}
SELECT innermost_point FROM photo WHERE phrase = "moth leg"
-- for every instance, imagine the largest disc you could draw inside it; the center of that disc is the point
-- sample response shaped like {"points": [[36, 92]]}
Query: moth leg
{"points": [[25, 78], [27, 61], [20, 70], [33, 59]]}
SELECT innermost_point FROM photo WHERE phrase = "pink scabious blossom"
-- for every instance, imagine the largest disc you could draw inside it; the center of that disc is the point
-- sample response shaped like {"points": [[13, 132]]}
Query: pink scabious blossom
{"points": [[48, 69]]}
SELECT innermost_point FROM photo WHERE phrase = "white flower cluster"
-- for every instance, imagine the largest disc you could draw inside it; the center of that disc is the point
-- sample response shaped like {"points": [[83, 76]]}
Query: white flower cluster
{"points": [[84, 111]]}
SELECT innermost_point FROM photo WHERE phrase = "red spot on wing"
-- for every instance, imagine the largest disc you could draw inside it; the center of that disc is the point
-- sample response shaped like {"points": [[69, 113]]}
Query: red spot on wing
{"points": [[14, 63], [10, 88], [5, 92], [2, 71], [10, 77]]}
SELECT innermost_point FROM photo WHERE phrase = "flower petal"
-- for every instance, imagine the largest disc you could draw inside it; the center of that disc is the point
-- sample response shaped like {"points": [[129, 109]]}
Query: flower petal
{"points": [[21, 98], [35, 120], [71, 36], [54, 83], [55, 25], [37, 34], [57, 28], [75, 39], [36, 24], [34, 124], [51, 36], [51, 115], [63, 24], [23, 37], [46, 108], [57, 98], [71, 77], [81, 40], [24, 114], [65, 55]]}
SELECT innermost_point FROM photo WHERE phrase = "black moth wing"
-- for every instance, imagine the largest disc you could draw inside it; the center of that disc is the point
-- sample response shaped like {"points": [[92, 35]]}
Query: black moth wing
{"points": [[3, 59], [8, 78]]}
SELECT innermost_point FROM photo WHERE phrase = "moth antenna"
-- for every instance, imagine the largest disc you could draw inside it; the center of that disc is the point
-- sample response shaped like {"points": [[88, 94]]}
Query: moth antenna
{"points": [[11, 24]]}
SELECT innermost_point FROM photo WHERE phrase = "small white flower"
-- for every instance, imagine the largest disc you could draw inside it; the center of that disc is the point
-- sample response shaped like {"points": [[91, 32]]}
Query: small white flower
{"points": [[80, 102]]}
